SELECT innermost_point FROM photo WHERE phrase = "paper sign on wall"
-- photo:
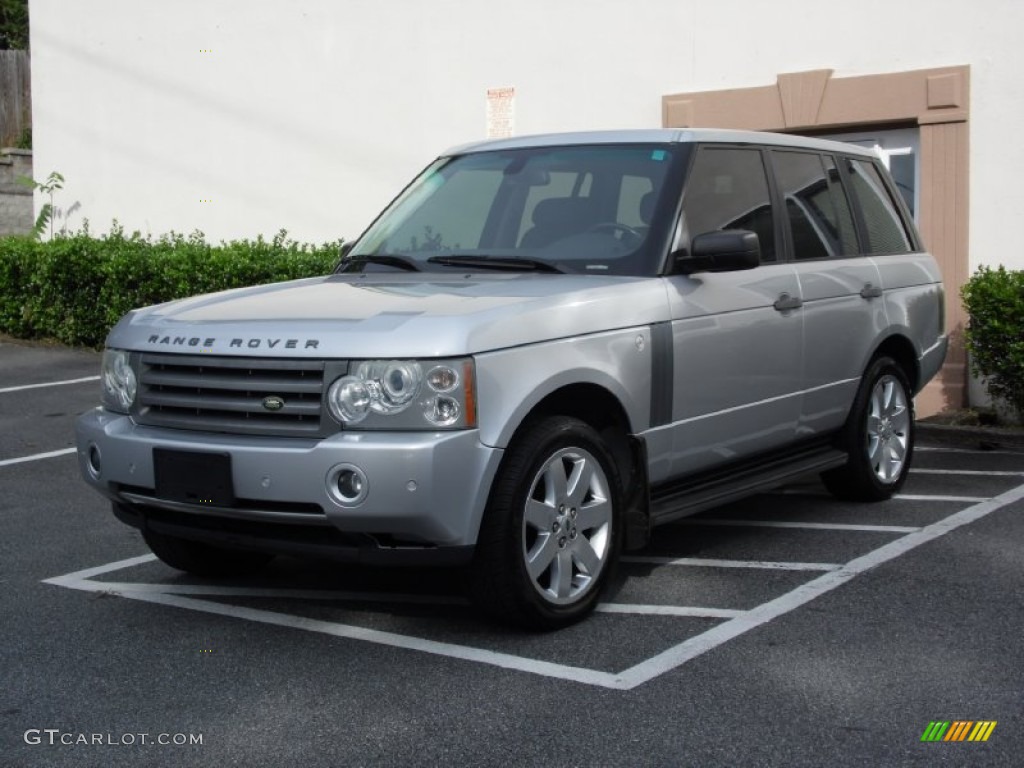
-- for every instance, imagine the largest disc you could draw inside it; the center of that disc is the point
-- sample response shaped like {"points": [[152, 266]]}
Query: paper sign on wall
{"points": [[501, 112]]}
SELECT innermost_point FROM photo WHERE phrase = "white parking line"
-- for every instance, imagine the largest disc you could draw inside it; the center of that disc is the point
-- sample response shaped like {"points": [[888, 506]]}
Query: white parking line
{"points": [[712, 563], [929, 497], [695, 646], [808, 526], [65, 382], [736, 622], [669, 610], [971, 472], [939, 449], [204, 590], [37, 457], [813, 493]]}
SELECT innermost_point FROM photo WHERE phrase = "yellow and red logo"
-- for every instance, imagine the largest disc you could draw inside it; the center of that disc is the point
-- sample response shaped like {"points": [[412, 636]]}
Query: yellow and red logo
{"points": [[958, 730]]}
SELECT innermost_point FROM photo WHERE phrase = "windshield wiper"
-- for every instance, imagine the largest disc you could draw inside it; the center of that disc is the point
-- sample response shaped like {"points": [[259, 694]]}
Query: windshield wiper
{"points": [[398, 262], [503, 263]]}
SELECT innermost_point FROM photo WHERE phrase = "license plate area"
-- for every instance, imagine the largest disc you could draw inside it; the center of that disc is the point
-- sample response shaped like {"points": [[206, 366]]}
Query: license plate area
{"points": [[194, 477]]}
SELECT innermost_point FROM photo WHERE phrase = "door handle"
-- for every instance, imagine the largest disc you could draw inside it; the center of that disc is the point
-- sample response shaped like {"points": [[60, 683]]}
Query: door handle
{"points": [[870, 291], [786, 302]]}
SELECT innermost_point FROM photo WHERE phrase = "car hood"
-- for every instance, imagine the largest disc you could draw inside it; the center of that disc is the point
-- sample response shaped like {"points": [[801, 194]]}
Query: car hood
{"points": [[370, 315]]}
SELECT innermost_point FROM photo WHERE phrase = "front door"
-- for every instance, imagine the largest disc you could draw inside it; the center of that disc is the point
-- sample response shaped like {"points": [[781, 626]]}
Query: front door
{"points": [[737, 337]]}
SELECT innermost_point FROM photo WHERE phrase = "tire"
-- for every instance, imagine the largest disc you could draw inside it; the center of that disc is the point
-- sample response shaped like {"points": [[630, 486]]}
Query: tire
{"points": [[203, 559], [878, 437], [551, 532]]}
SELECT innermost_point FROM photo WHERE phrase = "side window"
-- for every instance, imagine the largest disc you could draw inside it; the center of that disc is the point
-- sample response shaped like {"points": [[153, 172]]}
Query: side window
{"points": [[727, 189], [809, 210], [843, 223], [885, 229]]}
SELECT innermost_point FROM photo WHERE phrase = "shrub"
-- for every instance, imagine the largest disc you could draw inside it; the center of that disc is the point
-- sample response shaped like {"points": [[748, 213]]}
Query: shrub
{"points": [[994, 300], [74, 288]]}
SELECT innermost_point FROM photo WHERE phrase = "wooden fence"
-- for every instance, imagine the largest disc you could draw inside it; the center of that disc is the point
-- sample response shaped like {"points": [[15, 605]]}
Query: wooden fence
{"points": [[15, 98]]}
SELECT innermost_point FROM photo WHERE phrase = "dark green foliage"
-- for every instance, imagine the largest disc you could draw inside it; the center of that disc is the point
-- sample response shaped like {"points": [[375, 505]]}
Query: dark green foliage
{"points": [[14, 24], [74, 288], [994, 299]]}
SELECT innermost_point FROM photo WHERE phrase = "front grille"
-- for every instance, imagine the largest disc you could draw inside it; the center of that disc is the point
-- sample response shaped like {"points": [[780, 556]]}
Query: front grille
{"points": [[227, 394]]}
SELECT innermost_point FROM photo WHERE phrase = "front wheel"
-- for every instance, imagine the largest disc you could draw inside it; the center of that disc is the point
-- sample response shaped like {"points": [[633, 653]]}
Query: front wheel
{"points": [[878, 437], [551, 531]]}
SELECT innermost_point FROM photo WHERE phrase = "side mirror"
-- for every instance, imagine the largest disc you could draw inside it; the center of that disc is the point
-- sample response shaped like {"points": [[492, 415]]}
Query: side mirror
{"points": [[727, 250]]}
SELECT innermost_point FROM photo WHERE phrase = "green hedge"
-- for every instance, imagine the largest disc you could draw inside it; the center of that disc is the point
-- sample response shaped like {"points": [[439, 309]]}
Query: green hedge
{"points": [[75, 287], [994, 300]]}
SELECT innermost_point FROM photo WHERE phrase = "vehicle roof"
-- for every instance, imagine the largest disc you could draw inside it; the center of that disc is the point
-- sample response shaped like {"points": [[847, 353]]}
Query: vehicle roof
{"points": [[658, 136]]}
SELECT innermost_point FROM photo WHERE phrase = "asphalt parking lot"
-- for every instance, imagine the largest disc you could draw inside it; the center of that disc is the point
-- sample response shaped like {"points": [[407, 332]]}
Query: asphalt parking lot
{"points": [[787, 629]]}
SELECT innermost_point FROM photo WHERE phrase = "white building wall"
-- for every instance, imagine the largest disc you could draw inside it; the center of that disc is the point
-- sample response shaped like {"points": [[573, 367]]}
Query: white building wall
{"points": [[241, 117]]}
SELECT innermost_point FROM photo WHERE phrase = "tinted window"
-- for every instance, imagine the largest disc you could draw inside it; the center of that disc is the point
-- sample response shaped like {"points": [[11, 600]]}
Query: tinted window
{"points": [[728, 189], [885, 230], [819, 217], [843, 223]]}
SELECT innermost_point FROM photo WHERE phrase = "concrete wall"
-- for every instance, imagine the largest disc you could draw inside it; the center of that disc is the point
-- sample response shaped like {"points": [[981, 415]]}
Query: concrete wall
{"points": [[240, 117], [15, 199]]}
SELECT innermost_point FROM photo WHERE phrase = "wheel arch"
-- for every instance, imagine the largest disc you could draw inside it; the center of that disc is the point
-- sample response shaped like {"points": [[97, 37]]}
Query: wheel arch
{"points": [[598, 407], [901, 349]]}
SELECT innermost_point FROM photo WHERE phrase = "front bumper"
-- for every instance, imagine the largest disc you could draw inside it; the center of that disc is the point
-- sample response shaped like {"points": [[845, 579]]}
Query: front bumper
{"points": [[423, 490]]}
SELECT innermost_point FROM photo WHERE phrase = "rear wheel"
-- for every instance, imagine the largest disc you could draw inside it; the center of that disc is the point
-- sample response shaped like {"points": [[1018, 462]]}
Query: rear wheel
{"points": [[879, 436], [551, 531], [204, 559]]}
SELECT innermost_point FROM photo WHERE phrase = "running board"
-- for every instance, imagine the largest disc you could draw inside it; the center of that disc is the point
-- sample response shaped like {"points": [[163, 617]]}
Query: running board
{"points": [[695, 494]]}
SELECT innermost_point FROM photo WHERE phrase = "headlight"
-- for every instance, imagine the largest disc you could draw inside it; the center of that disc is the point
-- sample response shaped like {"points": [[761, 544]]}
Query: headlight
{"points": [[405, 394], [119, 382]]}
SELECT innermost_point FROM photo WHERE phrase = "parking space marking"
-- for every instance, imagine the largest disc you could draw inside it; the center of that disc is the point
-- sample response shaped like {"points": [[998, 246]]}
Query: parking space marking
{"points": [[712, 638], [942, 449], [814, 493], [204, 590], [930, 497], [708, 562], [37, 457], [669, 610], [734, 624], [711, 521], [970, 472], [65, 382], [129, 589], [379, 637]]}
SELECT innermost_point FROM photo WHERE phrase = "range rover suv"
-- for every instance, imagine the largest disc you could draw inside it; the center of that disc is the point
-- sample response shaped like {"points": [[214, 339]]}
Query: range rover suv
{"points": [[541, 350]]}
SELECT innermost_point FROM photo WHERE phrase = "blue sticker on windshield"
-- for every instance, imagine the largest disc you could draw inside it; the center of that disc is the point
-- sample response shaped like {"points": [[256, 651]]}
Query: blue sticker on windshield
{"points": [[658, 154]]}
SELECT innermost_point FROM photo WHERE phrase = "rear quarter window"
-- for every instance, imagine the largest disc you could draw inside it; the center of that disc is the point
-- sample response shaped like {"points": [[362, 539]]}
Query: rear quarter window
{"points": [[886, 231]]}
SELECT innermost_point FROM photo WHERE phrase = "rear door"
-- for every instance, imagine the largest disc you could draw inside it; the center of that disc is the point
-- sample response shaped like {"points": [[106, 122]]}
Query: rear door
{"points": [[841, 289]]}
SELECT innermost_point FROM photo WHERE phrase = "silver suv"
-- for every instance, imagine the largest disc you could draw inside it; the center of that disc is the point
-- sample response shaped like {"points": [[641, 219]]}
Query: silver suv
{"points": [[541, 350]]}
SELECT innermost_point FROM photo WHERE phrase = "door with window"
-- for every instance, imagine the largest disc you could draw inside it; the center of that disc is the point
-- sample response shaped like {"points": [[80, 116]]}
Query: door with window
{"points": [[736, 336], [841, 289]]}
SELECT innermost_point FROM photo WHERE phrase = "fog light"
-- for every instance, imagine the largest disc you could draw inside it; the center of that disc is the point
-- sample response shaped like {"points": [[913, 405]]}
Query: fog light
{"points": [[94, 461], [347, 484], [350, 484]]}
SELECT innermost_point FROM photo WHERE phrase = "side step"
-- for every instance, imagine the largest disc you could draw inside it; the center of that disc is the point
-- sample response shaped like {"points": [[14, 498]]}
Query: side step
{"points": [[690, 495]]}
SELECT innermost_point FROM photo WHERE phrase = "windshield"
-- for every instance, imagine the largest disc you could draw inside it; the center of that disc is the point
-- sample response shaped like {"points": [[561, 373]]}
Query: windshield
{"points": [[599, 209]]}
